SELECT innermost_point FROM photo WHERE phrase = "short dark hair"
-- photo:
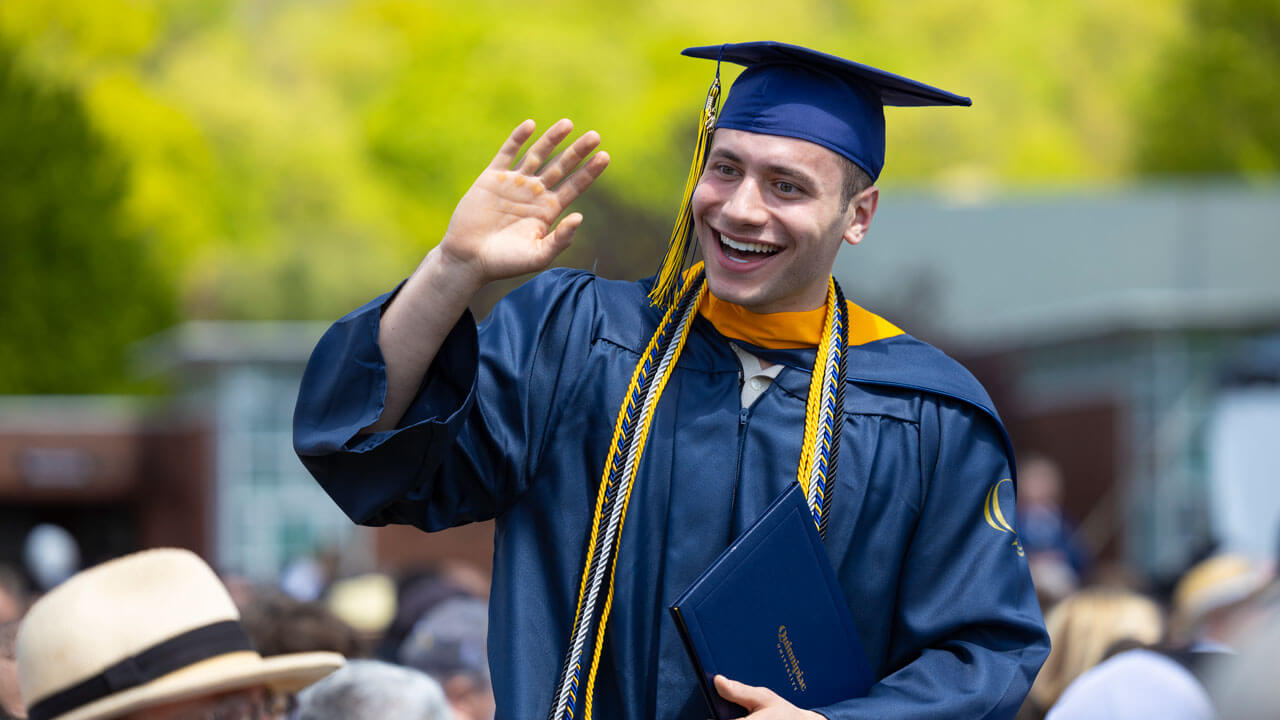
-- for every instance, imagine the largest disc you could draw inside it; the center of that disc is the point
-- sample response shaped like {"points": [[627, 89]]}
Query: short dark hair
{"points": [[855, 180]]}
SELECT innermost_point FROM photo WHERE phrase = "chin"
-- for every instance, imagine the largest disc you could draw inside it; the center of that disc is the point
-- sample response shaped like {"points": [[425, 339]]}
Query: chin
{"points": [[726, 292]]}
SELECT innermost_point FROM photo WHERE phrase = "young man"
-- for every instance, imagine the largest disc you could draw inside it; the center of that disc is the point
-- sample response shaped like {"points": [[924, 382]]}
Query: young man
{"points": [[623, 434]]}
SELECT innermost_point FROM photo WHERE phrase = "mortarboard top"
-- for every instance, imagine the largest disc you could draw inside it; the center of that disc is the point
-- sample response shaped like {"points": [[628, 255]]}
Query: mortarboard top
{"points": [[797, 92]]}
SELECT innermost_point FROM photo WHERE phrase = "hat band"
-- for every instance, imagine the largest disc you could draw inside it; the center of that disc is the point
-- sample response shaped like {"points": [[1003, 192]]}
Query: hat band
{"points": [[173, 654]]}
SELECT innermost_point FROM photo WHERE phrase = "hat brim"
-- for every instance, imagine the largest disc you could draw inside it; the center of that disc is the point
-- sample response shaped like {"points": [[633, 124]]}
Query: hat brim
{"points": [[233, 671]]}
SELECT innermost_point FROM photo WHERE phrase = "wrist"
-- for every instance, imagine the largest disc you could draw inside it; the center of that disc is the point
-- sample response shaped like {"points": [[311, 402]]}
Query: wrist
{"points": [[454, 275]]}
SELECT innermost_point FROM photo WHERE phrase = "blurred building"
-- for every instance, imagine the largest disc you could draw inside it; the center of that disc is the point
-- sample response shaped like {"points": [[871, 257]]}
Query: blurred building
{"points": [[108, 469], [1102, 323], [210, 468]]}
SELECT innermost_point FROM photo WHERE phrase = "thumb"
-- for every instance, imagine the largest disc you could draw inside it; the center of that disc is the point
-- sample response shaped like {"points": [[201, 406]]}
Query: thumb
{"points": [[750, 697], [560, 237]]}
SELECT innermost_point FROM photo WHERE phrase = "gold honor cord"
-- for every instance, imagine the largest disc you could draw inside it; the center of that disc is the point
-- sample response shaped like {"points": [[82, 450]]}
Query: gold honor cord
{"points": [[824, 410], [824, 414]]}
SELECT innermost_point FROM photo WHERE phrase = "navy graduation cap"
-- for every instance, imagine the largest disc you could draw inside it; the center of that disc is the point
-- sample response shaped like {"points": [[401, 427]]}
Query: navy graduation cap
{"points": [[795, 92], [802, 93]]}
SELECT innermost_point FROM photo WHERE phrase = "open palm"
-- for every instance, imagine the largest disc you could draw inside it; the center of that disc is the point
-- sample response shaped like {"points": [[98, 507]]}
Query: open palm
{"points": [[505, 224]]}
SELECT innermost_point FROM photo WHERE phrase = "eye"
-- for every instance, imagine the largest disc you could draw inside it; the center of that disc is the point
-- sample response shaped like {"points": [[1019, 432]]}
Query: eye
{"points": [[786, 188], [726, 170]]}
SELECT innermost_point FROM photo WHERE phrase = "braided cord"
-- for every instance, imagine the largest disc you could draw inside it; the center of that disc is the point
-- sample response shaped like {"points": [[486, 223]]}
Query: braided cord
{"points": [[630, 433], [633, 462], [824, 410], [813, 405], [837, 409]]}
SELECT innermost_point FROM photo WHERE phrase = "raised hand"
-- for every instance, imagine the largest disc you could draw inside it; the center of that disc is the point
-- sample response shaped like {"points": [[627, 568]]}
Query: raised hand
{"points": [[505, 224]]}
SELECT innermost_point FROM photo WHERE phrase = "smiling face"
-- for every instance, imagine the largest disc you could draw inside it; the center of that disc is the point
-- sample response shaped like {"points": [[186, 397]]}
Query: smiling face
{"points": [[770, 214]]}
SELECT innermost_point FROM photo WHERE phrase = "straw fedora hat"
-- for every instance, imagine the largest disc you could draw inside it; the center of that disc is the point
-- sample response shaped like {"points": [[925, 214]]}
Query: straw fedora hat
{"points": [[143, 630]]}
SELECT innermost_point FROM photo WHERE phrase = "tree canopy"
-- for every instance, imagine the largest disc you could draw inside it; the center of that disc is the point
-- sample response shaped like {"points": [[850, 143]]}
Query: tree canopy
{"points": [[289, 159], [1214, 108], [76, 287]]}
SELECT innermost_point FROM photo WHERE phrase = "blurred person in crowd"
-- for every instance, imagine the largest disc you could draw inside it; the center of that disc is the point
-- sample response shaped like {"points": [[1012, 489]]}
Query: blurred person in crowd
{"points": [[1243, 686], [1215, 600], [417, 593], [1215, 605], [1057, 560], [1135, 685], [365, 602], [13, 596], [279, 625], [1083, 628], [373, 690], [448, 644], [151, 636], [51, 555], [11, 707], [466, 576], [307, 578]]}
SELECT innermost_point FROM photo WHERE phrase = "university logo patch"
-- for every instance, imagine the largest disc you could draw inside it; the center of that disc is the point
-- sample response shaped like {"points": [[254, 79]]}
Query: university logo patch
{"points": [[995, 516]]}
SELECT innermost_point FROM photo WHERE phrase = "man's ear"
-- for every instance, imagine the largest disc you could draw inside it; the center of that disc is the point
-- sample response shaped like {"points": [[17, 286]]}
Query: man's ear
{"points": [[861, 209]]}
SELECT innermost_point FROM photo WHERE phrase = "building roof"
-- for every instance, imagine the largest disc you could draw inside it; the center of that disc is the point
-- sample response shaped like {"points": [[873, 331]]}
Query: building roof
{"points": [[211, 343], [1017, 269]]}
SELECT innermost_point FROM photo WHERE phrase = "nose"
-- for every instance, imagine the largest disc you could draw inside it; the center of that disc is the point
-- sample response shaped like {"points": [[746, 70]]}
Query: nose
{"points": [[745, 205]]}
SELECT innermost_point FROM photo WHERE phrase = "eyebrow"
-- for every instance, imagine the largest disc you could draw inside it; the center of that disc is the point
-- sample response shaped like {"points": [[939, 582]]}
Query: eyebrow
{"points": [[786, 171]]}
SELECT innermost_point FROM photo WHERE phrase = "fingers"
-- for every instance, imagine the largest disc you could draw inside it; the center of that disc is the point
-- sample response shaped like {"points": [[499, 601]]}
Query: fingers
{"points": [[565, 163], [511, 148], [750, 697], [581, 179], [542, 149]]}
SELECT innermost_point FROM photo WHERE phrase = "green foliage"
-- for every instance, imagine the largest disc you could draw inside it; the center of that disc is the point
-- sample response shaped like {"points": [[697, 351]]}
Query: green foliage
{"points": [[76, 287], [289, 159], [1215, 107]]}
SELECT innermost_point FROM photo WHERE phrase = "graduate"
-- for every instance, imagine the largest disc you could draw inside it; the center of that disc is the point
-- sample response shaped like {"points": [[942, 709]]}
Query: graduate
{"points": [[624, 433]]}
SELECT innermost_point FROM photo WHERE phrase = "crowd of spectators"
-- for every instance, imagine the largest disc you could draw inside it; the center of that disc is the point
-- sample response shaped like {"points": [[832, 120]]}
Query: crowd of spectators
{"points": [[413, 646], [160, 642], [1122, 649]]}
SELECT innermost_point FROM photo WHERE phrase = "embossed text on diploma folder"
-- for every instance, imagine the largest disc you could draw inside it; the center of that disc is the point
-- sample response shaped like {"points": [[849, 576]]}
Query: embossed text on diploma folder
{"points": [[770, 612]]}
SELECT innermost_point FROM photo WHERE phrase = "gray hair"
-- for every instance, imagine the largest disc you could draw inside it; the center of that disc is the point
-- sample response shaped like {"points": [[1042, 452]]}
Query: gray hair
{"points": [[373, 690]]}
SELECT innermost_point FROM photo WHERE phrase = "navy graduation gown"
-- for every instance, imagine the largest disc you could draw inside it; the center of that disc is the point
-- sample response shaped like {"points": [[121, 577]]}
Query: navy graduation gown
{"points": [[513, 422]]}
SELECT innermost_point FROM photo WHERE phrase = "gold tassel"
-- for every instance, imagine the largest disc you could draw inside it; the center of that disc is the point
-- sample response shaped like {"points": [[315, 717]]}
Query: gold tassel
{"points": [[680, 247]]}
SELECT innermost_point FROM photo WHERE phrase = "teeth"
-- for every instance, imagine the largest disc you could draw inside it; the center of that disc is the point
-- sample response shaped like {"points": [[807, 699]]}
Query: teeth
{"points": [[748, 247]]}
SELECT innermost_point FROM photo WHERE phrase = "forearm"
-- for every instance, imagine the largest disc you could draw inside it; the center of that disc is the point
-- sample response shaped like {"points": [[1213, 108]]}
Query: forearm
{"points": [[415, 325], [504, 226]]}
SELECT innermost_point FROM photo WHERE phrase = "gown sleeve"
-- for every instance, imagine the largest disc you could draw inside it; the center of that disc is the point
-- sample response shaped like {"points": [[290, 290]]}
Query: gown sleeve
{"points": [[968, 637], [469, 441]]}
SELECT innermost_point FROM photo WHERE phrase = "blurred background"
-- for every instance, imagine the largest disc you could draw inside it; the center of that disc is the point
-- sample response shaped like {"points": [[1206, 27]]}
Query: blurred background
{"points": [[190, 190]]}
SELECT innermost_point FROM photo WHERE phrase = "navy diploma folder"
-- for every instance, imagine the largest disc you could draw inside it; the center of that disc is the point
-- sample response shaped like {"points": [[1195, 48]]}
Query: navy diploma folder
{"points": [[770, 612]]}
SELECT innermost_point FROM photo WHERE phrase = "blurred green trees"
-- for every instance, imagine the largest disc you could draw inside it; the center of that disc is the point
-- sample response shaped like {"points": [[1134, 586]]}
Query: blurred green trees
{"points": [[289, 159], [76, 287], [1215, 105]]}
